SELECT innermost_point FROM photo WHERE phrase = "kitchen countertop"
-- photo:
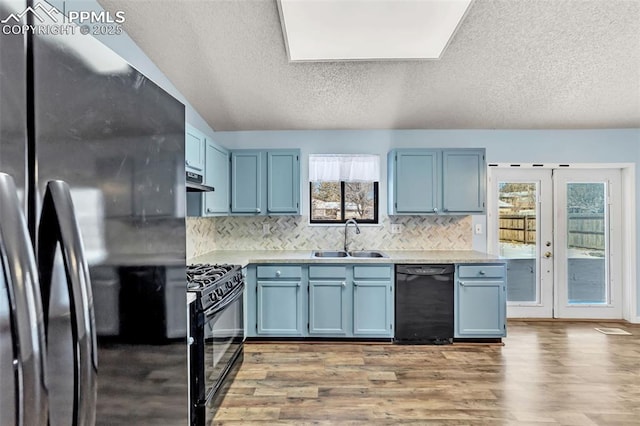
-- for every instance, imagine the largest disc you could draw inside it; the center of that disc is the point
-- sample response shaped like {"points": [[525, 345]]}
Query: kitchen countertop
{"points": [[245, 257]]}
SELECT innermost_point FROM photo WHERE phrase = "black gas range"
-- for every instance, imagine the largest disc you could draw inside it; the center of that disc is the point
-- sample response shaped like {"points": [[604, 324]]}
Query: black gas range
{"points": [[213, 283], [216, 335]]}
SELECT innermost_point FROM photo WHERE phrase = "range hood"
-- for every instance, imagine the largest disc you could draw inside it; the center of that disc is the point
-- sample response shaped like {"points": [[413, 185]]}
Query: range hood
{"points": [[195, 183]]}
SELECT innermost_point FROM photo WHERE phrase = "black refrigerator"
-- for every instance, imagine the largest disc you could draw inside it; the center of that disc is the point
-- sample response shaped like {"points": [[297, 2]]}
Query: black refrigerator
{"points": [[92, 234]]}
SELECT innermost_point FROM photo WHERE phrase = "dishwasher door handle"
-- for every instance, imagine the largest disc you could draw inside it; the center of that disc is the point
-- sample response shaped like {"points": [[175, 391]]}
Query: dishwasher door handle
{"points": [[425, 272]]}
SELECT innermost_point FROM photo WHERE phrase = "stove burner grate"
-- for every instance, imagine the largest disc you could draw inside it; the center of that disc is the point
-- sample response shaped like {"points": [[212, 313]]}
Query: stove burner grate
{"points": [[204, 275]]}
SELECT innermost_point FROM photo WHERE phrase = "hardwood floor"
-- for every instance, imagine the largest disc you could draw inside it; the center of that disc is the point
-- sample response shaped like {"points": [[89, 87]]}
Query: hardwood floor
{"points": [[563, 373]]}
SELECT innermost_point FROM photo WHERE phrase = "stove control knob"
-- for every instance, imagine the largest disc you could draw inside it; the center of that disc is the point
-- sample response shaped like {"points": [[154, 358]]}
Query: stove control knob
{"points": [[219, 292], [229, 284]]}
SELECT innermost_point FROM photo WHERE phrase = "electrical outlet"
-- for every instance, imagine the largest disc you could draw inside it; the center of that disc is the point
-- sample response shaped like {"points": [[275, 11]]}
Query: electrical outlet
{"points": [[478, 229], [396, 228], [265, 229]]}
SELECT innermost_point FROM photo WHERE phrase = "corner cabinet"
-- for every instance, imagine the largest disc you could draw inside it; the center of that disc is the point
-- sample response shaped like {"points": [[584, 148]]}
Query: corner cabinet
{"points": [[480, 295], [320, 300], [436, 181], [216, 203], [265, 182], [194, 150]]}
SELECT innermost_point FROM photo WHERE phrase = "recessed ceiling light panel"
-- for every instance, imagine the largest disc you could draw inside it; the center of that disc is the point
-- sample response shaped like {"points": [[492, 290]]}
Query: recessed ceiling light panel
{"points": [[352, 30]]}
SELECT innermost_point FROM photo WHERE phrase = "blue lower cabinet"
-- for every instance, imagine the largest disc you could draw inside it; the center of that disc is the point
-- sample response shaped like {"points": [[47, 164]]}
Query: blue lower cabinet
{"points": [[329, 303], [328, 307], [373, 301], [480, 298], [320, 300], [276, 300], [279, 308], [372, 308]]}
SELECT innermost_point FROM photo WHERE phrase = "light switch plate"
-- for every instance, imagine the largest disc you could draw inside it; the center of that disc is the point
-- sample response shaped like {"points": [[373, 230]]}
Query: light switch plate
{"points": [[478, 229]]}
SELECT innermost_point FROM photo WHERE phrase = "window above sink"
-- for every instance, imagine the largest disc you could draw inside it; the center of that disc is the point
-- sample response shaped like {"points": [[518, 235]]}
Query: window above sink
{"points": [[343, 187]]}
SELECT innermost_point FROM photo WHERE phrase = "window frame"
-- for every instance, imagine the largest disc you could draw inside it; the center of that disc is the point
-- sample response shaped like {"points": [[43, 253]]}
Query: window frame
{"points": [[374, 221]]}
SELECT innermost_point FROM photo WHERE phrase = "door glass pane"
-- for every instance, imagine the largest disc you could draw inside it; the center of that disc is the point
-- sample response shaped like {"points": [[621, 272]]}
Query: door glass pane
{"points": [[587, 243], [518, 239]]}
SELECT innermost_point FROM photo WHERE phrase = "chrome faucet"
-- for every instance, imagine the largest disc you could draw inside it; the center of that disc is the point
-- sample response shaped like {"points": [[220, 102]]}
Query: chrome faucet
{"points": [[346, 224]]}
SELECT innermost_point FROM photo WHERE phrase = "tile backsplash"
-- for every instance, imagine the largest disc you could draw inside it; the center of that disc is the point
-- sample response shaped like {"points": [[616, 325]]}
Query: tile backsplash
{"points": [[295, 233]]}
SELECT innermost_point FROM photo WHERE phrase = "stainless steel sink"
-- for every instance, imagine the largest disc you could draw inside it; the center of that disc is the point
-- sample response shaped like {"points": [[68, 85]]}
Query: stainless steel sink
{"points": [[329, 253], [367, 253], [342, 253]]}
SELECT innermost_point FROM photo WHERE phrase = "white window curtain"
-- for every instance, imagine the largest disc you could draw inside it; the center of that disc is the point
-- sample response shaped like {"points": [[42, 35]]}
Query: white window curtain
{"points": [[348, 168]]}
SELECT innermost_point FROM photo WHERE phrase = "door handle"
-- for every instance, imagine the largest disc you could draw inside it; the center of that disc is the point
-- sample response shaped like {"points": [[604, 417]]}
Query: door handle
{"points": [[58, 226], [21, 279]]}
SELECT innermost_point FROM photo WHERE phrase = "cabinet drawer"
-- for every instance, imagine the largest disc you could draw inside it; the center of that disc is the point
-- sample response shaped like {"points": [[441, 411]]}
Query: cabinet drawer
{"points": [[327, 271], [481, 271], [372, 272], [279, 271]]}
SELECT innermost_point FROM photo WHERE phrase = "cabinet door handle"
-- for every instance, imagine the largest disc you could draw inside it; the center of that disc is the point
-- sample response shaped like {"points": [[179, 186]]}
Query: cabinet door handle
{"points": [[278, 273], [258, 210], [344, 283], [481, 272], [462, 284], [187, 163], [435, 210], [209, 210]]}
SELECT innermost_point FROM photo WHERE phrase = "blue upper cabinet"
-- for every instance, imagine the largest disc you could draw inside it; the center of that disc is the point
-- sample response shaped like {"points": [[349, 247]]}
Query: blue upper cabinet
{"points": [[246, 182], [216, 203], [436, 181], [283, 182], [416, 181], [463, 181], [194, 150], [265, 182]]}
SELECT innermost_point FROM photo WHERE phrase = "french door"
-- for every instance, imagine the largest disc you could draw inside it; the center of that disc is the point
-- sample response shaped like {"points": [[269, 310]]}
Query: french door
{"points": [[560, 230]]}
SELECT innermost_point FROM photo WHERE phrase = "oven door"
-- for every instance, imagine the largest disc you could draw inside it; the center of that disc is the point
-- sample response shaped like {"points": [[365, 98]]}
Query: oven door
{"points": [[216, 354]]}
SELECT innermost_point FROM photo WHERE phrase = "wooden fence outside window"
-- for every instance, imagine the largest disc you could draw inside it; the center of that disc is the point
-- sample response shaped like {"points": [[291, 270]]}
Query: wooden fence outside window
{"points": [[586, 230]]}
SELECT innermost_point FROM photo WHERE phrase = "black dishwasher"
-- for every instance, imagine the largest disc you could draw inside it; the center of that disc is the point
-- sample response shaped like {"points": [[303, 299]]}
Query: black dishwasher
{"points": [[424, 304]]}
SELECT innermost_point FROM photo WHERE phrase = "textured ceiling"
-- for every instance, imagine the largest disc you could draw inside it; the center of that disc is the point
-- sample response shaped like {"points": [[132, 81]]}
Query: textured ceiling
{"points": [[512, 64]]}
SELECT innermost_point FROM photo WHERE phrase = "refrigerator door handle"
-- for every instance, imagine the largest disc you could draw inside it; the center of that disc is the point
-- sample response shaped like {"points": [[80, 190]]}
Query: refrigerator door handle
{"points": [[19, 272], [58, 225]]}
